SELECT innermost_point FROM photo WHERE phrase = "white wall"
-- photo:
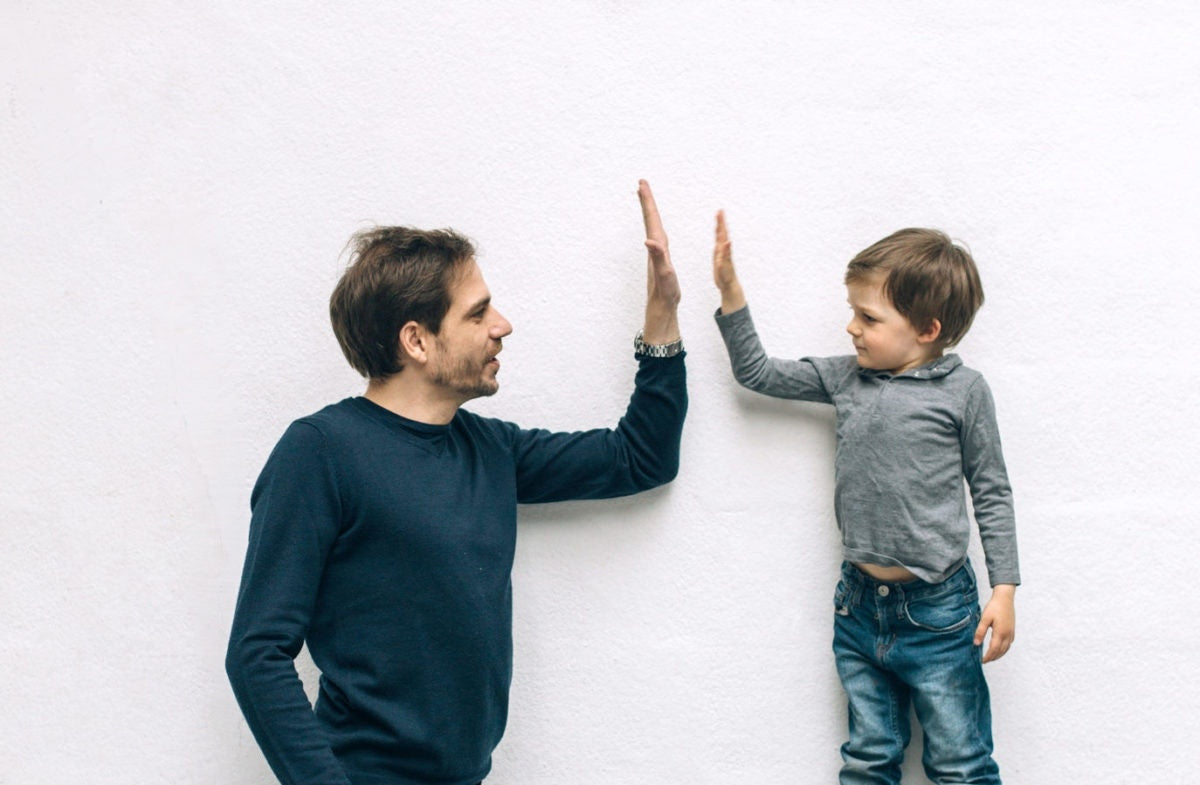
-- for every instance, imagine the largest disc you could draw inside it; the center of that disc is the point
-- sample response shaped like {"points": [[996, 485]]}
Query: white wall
{"points": [[176, 184]]}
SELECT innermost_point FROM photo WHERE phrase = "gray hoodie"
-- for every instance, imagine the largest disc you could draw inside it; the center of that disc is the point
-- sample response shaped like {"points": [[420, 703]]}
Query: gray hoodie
{"points": [[904, 445]]}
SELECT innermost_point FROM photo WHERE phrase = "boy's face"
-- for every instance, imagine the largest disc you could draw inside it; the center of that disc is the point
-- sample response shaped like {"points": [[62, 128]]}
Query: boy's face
{"points": [[884, 339]]}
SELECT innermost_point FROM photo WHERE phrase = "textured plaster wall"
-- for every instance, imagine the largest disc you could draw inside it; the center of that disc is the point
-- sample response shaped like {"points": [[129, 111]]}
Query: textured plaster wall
{"points": [[177, 181]]}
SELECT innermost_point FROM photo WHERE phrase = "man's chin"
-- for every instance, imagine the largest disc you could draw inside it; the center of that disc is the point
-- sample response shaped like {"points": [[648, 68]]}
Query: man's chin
{"points": [[483, 390]]}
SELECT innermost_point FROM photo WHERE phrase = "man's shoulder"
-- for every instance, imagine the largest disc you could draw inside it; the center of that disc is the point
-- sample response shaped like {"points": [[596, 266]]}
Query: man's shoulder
{"points": [[332, 418], [478, 426]]}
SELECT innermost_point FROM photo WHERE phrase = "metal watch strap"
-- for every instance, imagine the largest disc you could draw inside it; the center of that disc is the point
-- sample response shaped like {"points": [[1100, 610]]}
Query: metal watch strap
{"points": [[643, 349]]}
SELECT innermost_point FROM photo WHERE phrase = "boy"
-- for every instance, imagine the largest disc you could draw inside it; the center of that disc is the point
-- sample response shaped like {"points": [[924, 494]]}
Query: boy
{"points": [[911, 423]]}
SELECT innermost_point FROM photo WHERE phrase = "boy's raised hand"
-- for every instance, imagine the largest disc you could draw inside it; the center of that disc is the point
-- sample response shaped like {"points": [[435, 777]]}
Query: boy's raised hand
{"points": [[724, 276], [1000, 615]]}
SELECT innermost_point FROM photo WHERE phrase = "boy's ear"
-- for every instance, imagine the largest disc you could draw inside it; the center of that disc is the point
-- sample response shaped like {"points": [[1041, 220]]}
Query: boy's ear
{"points": [[414, 342], [930, 333]]}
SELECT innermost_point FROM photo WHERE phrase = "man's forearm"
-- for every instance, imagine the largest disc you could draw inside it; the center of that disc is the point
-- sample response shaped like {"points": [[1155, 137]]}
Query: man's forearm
{"points": [[662, 324]]}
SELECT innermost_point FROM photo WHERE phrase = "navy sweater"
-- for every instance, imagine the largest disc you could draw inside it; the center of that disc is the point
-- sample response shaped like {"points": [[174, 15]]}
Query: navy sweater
{"points": [[387, 545]]}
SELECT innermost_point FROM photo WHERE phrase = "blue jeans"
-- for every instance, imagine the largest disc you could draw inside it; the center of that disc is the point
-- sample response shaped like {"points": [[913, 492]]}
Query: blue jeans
{"points": [[902, 644]]}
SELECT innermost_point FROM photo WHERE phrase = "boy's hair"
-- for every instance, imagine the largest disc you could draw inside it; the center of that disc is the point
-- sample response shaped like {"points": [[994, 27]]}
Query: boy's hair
{"points": [[396, 275], [926, 277]]}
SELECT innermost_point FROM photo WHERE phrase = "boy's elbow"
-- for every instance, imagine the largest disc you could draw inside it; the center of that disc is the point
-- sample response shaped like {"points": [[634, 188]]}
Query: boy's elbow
{"points": [[751, 377]]}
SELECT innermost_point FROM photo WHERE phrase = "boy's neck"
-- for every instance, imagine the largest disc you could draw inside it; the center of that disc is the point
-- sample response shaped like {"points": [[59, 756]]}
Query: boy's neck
{"points": [[917, 362]]}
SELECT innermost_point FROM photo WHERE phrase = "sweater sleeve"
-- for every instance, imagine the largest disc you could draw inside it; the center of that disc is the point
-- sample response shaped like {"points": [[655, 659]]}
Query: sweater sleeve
{"points": [[991, 493], [294, 521], [754, 370], [642, 452]]}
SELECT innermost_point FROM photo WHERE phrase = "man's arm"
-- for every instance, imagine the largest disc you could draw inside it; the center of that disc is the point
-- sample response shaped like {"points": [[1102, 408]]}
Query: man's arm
{"points": [[662, 285], [295, 516], [642, 452]]}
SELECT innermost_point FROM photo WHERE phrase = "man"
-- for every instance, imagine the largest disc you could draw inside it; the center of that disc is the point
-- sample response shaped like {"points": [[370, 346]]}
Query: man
{"points": [[383, 527]]}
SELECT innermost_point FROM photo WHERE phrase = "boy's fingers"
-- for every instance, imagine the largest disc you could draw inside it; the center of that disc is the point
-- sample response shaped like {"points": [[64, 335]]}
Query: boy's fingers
{"points": [[981, 630], [997, 649]]}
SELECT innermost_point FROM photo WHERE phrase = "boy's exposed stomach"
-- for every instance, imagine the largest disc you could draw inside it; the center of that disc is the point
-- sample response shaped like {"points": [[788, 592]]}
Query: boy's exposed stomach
{"points": [[886, 574]]}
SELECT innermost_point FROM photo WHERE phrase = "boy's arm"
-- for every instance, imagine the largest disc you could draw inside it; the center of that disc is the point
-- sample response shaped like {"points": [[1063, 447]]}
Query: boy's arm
{"points": [[991, 497], [1001, 616], [753, 369]]}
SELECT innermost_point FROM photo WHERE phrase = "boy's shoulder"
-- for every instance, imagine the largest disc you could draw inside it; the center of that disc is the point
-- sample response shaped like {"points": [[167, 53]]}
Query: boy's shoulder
{"points": [[953, 366], [960, 382], [836, 364]]}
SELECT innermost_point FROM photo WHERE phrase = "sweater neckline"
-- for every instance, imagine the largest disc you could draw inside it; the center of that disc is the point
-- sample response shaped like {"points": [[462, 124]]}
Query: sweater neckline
{"points": [[422, 430]]}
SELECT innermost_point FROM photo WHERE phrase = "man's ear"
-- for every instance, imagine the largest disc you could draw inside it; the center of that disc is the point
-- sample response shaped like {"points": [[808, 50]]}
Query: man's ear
{"points": [[930, 333], [414, 342]]}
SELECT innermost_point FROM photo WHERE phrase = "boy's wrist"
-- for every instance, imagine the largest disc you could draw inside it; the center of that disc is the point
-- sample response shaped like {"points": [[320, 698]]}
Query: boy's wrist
{"points": [[733, 298]]}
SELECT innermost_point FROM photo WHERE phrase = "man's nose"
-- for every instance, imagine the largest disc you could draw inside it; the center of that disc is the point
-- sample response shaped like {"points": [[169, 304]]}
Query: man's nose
{"points": [[502, 326]]}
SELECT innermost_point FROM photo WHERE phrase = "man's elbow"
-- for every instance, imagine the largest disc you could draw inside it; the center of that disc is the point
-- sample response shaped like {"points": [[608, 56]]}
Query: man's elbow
{"points": [[662, 470], [237, 661]]}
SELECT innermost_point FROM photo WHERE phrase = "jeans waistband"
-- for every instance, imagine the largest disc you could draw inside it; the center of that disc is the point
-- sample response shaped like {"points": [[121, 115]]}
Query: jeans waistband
{"points": [[855, 579]]}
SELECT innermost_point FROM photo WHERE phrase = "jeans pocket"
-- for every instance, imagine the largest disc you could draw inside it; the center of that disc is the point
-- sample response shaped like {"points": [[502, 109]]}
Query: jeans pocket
{"points": [[841, 605], [945, 613]]}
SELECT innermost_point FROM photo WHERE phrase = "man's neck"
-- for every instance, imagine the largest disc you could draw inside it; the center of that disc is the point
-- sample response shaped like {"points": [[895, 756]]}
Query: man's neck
{"points": [[411, 400]]}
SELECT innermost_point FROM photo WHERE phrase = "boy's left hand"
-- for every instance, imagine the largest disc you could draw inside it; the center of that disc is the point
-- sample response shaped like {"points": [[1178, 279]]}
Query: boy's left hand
{"points": [[1000, 615]]}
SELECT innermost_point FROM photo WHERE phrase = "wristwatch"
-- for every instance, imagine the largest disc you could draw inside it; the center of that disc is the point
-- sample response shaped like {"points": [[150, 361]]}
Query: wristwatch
{"points": [[643, 349]]}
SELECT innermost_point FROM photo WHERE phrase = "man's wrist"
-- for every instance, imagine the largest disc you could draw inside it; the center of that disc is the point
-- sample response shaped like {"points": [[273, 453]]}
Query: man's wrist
{"points": [[661, 325], [643, 349]]}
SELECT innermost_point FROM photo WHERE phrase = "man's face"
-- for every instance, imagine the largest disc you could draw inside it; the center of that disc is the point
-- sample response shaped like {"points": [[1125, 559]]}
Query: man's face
{"points": [[463, 361]]}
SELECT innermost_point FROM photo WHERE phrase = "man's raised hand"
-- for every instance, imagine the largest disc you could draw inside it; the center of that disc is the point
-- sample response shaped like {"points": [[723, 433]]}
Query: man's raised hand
{"points": [[662, 285]]}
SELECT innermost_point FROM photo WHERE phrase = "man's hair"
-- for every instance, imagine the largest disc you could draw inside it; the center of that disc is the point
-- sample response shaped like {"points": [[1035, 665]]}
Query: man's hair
{"points": [[396, 275], [926, 276]]}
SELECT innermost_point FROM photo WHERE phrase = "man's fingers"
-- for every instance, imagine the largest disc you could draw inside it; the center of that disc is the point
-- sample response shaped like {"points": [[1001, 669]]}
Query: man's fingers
{"points": [[660, 259], [650, 216]]}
